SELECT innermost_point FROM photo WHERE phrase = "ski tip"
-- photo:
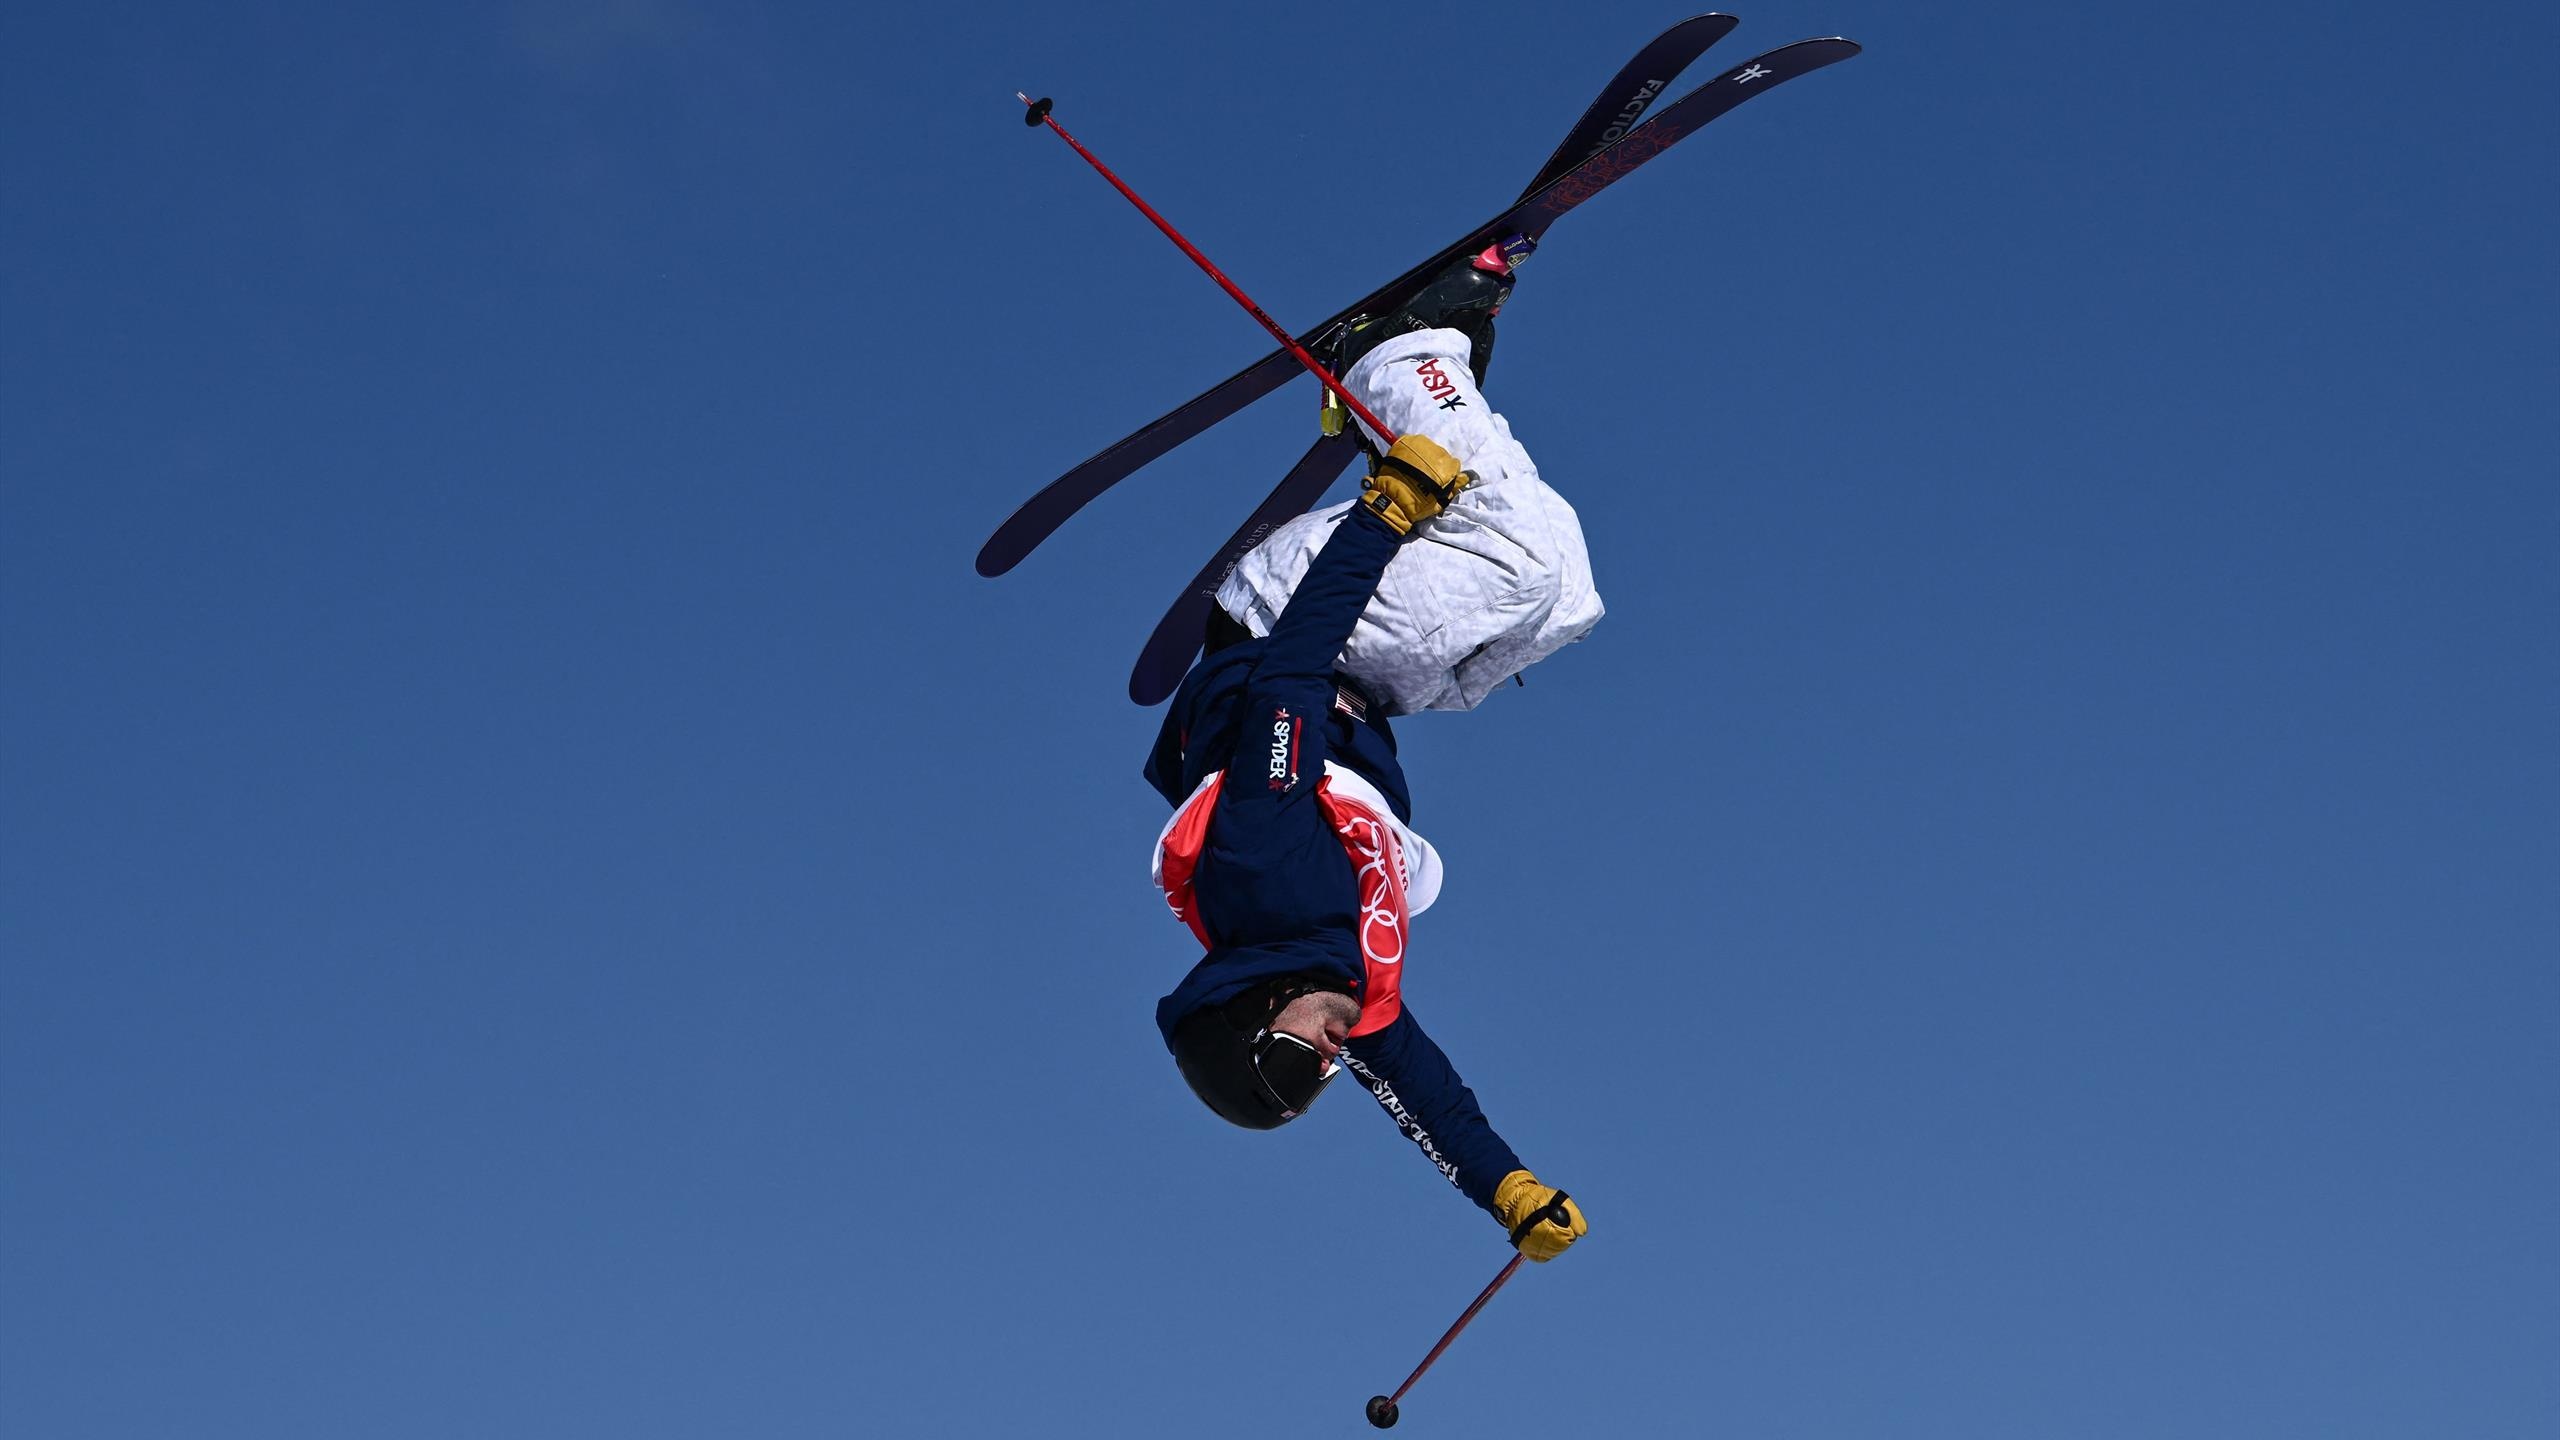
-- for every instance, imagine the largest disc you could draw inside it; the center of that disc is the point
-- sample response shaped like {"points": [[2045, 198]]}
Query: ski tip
{"points": [[1148, 690], [1832, 49]]}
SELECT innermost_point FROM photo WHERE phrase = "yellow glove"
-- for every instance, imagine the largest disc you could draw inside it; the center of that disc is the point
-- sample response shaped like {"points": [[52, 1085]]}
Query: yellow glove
{"points": [[1529, 1208], [1414, 481]]}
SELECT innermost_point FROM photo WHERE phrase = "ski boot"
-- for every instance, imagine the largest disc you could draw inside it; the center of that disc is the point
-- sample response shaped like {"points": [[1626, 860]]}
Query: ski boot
{"points": [[1465, 298]]}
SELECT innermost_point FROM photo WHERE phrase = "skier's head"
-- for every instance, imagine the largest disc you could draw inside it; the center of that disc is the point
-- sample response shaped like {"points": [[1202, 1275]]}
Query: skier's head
{"points": [[1262, 1058]]}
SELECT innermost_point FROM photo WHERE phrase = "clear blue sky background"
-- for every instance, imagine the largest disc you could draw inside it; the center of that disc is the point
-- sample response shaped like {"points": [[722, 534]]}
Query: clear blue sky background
{"points": [[543, 898]]}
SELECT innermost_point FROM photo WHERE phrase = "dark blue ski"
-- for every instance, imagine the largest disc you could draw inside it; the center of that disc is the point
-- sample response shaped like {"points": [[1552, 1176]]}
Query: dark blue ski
{"points": [[1169, 649], [1612, 113]]}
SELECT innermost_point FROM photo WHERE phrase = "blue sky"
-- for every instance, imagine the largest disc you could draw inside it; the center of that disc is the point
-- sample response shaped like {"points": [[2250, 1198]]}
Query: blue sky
{"points": [[543, 898]]}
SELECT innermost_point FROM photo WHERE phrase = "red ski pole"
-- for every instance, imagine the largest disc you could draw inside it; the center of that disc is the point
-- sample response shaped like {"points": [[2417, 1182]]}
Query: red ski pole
{"points": [[1038, 115], [1382, 1408]]}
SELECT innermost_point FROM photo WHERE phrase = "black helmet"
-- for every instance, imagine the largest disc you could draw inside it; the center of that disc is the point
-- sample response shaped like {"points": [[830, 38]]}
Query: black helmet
{"points": [[1249, 1073]]}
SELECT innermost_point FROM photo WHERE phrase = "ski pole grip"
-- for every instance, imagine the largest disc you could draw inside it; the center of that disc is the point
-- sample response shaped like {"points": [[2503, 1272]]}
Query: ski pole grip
{"points": [[1552, 1210]]}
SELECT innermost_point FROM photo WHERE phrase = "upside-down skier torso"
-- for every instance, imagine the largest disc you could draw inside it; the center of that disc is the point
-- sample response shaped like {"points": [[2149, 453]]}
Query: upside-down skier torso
{"points": [[1290, 853]]}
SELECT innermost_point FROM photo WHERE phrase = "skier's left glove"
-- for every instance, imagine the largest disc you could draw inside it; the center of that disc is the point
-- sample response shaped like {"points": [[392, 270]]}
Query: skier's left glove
{"points": [[1414, 481], [1542, 1219]]}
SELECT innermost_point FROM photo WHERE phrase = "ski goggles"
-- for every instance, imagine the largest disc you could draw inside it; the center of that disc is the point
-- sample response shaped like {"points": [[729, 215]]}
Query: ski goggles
{"points": [[1292, 1072]]}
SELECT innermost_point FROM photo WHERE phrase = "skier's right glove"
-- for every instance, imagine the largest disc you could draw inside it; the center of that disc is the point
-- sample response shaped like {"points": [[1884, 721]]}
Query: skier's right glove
{"points": [[1542, 1219], [1414, 481]]}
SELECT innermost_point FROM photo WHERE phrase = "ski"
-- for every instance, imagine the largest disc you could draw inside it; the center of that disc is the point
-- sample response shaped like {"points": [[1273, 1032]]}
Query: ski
{"points": [[1630, 92], [1168, 651], [1612, 113], [1042, 514]]}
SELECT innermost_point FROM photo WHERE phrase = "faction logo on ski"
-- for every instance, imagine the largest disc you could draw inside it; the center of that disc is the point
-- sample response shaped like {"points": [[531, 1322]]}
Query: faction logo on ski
{"points": [[1628, 116], [1284, 749], [1756, 72], [1437, 381]]}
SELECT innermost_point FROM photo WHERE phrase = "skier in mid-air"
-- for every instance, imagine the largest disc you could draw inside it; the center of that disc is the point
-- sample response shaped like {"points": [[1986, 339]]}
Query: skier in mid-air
{"points": [[1290, 853]]}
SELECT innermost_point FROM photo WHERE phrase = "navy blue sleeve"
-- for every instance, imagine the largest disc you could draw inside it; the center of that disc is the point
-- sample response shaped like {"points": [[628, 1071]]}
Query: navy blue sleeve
{"points": [[1420, 1090], [1267, 804], [1326, 605]]}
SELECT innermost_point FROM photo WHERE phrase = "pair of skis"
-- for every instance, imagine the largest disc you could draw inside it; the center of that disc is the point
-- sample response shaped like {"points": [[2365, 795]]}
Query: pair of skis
{"points": [[1603, 147]]}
